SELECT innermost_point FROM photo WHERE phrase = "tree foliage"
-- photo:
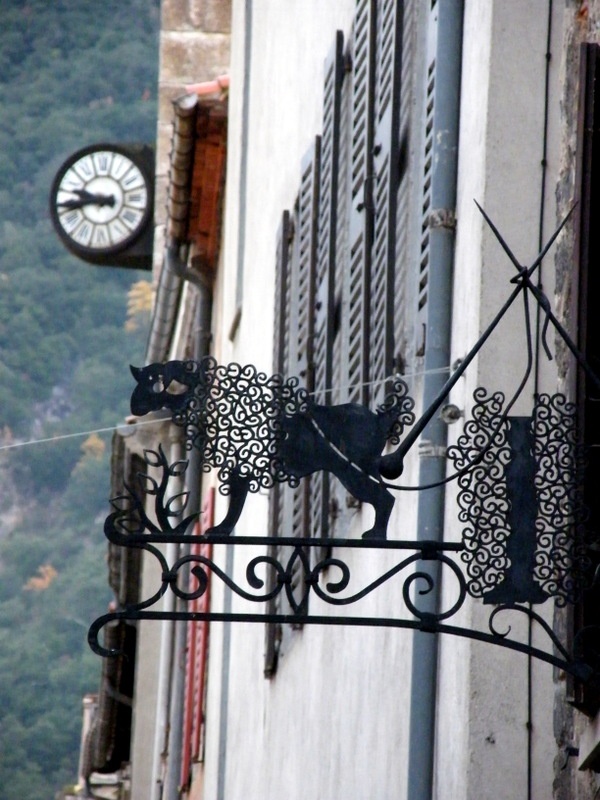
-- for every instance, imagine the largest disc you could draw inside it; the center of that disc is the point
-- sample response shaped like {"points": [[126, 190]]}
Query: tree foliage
{"points": [[72, 74]]}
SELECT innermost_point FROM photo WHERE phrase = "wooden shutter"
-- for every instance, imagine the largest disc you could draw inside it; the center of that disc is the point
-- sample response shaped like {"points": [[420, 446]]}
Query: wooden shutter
{"points": [[339, 373], [404, 277], [327, 224], [280, 361], [302, 291], [428, 147], [294, 356], [326, 267], [282, 295], [355, 312], [297, 502], [302, 273], [385, 191]]}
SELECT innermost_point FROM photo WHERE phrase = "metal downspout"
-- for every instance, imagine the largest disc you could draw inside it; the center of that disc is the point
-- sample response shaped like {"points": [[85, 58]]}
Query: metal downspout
{"points": [[170, 281], [430, 522]]}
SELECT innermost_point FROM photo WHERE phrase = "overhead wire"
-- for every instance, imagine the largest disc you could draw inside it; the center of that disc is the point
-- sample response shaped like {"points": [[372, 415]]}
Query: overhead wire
{"points": [[140, 422], [75, 434]]}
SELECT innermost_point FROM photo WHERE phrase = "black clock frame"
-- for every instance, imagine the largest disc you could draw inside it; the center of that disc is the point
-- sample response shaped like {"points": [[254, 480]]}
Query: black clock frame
{"points": [[136, 250]]}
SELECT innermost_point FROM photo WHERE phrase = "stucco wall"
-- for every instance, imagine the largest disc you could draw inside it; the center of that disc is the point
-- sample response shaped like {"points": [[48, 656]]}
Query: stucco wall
{"points": [[483, 703], [333, 723]]}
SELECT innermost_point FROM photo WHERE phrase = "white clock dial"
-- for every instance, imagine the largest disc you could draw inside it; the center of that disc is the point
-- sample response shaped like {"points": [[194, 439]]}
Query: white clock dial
{"points": [[100, 200]]}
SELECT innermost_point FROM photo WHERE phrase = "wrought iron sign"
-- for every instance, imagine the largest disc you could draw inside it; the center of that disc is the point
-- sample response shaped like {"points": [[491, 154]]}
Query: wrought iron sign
{"points": [[525, 538]]}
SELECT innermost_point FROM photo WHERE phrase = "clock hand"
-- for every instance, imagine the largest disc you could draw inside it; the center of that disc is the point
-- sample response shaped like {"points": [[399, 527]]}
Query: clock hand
{"points": [[85, 198]]}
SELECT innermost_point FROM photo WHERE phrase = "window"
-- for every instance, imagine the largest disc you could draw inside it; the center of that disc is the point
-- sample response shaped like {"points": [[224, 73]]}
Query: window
{"points": [[342, 317]]}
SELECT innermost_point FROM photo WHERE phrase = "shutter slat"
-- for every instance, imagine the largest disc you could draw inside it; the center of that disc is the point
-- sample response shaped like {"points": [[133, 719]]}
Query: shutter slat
{"points": [[326, 267]]}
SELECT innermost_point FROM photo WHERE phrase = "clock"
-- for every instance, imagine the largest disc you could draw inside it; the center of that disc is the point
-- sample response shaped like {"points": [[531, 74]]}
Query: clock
{"points": [[101, 200]]}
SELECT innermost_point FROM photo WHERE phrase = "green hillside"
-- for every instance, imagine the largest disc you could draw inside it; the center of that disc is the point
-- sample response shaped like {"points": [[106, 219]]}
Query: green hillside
{"points": [[71, 74]]}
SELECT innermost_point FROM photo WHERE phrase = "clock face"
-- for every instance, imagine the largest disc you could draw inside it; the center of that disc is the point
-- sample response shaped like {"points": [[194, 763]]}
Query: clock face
{"points": [[100, 200]]}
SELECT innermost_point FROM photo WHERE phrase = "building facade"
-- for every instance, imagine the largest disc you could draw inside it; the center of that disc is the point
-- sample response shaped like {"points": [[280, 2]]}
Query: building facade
{"points": [[324, 220]]}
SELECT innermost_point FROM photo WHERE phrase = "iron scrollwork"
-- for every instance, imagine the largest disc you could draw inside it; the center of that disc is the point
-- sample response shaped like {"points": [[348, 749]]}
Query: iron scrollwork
{"points": [[525, 541], [525, 537], [563, 566], [330, 579], [257, 430]]}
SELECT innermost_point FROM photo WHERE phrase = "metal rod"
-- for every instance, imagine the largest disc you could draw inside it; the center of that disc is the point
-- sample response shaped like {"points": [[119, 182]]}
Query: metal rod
{"points": [[424, 626], [393, 463]]}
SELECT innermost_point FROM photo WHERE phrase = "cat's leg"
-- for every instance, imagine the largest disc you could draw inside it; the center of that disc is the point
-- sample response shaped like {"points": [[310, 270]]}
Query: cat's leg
{"points": [[238, 486], [383, 502], [368, 489]]}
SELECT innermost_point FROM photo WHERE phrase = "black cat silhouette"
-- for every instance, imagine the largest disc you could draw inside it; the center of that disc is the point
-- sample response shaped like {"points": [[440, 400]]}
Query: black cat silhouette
{"points": [[257, 430]]}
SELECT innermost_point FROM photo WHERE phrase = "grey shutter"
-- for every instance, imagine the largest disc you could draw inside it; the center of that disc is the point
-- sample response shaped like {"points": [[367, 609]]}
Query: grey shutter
{"points": [[355, 312], [428, 147], [297, 501], [326, 267], [281, 337], [385, 190], [403, 312], [293, 356], [339, 375], [303, 271], [280, 360], [327, 224], [282, 297]]}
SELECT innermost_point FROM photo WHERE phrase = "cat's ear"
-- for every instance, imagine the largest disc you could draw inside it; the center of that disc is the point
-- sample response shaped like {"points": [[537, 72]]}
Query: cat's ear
{"points": [[136, 372]]}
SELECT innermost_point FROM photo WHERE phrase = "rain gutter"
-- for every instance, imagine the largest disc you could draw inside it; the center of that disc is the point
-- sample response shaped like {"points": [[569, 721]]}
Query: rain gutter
{"points": [[174, 270], [432, 469]]}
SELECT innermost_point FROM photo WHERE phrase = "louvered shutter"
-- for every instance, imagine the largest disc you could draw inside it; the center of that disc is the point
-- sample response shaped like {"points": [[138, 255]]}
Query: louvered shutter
{"points": [[302, 293], [282, 296], [280, 360], [426, 208], [303, 277], [404, 278], [326, 267], [355, 311], [294, 356], [339, 377], [385, 191], [327, 224], [281, 343]]}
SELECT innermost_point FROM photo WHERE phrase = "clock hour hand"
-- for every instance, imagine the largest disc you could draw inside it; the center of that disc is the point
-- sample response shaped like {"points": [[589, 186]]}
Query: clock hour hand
{"points": [[85, 198]]}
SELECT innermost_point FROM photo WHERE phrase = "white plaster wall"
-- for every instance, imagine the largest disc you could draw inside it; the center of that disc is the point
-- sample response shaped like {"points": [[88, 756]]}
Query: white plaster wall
{"points": [[333, 722], [482, 702], [149, 702]]}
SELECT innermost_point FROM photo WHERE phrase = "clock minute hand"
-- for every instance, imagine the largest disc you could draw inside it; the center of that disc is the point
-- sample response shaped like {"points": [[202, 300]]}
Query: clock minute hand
{"points": [[85, 198]]}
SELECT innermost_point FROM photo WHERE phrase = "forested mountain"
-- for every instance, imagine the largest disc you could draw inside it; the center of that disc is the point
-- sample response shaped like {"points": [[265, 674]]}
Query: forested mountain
{"points": [[71, 74]]}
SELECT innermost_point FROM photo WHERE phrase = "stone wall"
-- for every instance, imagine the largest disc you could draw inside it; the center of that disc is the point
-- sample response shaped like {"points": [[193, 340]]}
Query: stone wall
{"points": [[194, 47]]}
